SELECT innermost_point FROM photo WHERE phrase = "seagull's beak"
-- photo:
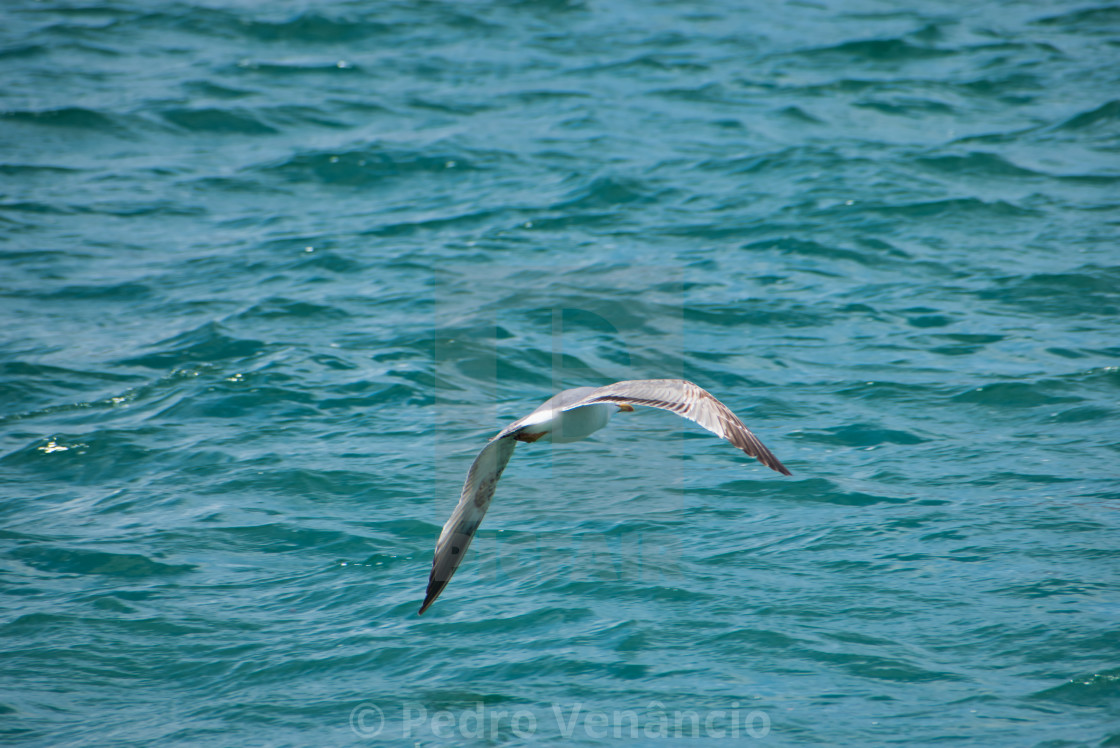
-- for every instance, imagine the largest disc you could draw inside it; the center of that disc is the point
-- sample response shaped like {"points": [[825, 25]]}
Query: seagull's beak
{"points": [[624, 408]]}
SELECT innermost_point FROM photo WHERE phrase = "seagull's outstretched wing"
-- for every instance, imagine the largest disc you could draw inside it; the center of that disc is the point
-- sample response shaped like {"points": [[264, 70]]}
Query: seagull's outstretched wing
{"points": [[691, 401], [473, 503]]}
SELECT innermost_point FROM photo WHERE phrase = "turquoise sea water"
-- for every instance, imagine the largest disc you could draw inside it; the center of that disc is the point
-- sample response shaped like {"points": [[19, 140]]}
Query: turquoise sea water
{"points": [[272, 273]]}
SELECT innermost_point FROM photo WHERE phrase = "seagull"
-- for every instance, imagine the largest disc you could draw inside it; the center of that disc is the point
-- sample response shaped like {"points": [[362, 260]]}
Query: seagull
{"points": [[570, 416]]}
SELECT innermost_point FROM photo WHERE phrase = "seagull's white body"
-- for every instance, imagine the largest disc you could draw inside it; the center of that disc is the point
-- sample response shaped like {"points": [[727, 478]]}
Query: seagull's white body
{"points": [[559, 426], [571, 416]]}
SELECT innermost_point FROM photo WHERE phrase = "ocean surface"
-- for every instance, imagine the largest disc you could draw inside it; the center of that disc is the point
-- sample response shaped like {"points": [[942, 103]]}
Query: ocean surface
{"points": [[271, 274]]}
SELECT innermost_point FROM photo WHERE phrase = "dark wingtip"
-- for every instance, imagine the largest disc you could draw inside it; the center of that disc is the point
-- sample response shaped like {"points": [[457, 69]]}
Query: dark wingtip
{"points": [[775, 464], [767, 458], [428, 600], [434, 588]]}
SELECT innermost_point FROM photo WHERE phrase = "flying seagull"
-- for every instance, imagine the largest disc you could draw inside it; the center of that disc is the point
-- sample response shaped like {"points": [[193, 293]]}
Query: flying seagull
{"points": [[571, 416]]}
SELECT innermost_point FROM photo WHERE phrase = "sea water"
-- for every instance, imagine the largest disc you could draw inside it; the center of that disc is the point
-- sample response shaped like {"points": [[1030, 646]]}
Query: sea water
{"points": [[273, 273]]}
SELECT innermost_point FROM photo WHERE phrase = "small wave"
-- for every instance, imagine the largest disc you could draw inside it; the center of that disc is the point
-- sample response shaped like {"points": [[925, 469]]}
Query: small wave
{"points": [[863, 435], [605, 192], [310, 28], [957, 208], [1085, 414], [909, 105], [789, 245], [453, 223], [229, 400], [1095, 690], [737, 316], [963, 344], [213, 120], [23, 51], [755, 638], [1015, 395], [814, 490], [126, 292], [366, 395], [1101, 19], [30, 171], [1053, 588], [289, 68], [878, 50], [78, 118], [1104, 115], [285, 538], [281, 308], [72, 561], [206, 343], [797, 114], [880, 667], [205, 89], [1091, 291], [976, 164], [369, 166]]}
